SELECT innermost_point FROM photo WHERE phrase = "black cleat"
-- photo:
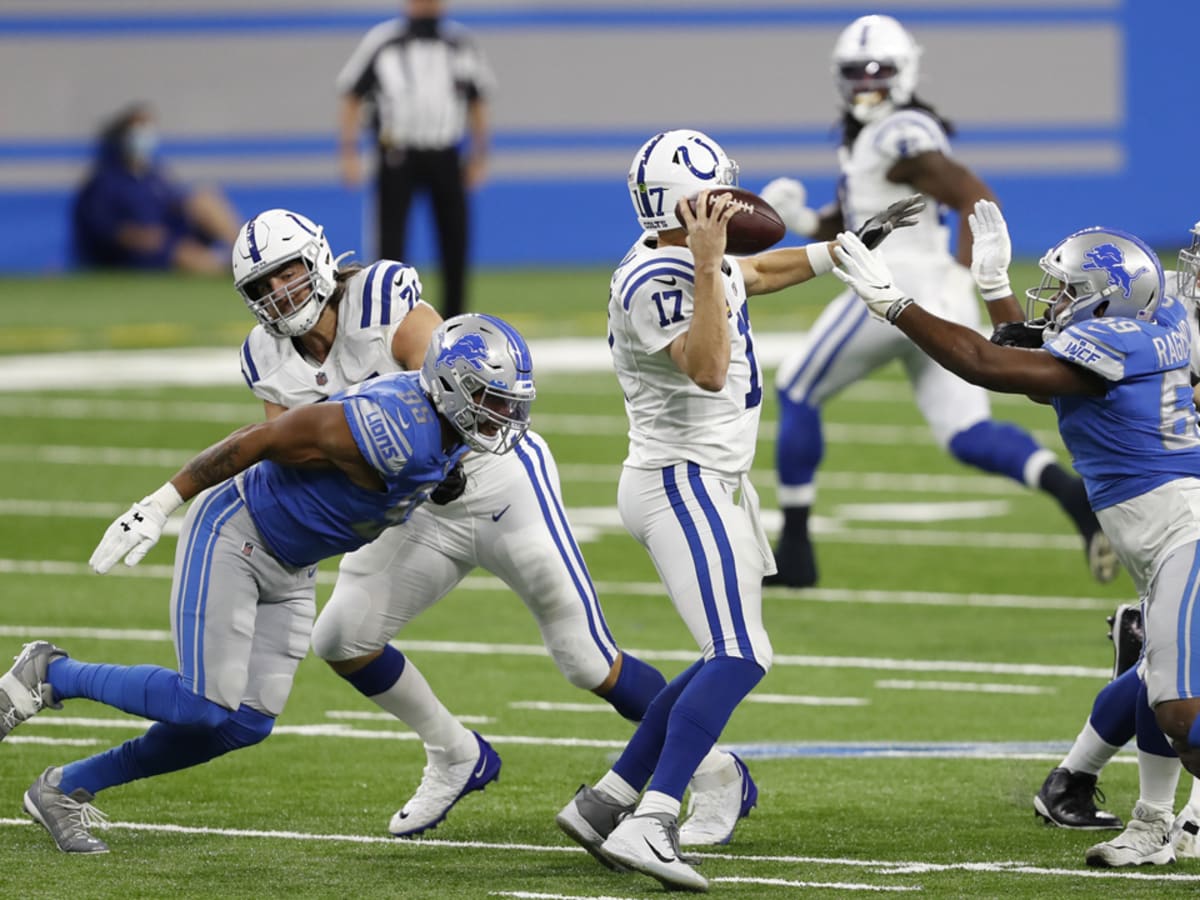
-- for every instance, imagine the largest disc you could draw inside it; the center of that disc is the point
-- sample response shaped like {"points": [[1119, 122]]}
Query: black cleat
{"points": [[1067, 800], [1126, 633]]}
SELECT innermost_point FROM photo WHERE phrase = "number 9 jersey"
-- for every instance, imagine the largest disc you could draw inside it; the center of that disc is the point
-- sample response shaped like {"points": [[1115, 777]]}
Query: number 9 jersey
{"points": [[671, 418]]}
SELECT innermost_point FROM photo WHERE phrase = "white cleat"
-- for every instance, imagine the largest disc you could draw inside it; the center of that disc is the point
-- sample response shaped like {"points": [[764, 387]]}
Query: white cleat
{"points": [[649, 844], [1146, 841], [590, 818], [718, 801], [441, 787], [1185, 833]]}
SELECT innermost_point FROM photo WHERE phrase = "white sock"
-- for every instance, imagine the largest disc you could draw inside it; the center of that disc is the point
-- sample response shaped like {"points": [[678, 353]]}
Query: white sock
{"points": [[618, 788], [658, 802], [413, 702], [1158, 776], [1089, 753]]}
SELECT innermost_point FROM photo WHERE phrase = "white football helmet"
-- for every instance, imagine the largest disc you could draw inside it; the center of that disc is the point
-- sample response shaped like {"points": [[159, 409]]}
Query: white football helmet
{"points": [[875, 64], [1189, 266], [479, 373], [671, 166], [1093, 267], [264, 244]]}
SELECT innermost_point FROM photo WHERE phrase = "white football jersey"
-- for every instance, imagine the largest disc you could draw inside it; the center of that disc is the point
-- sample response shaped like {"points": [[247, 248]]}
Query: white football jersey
{"points": [[671, 418], [374, 303], [865, 189]]}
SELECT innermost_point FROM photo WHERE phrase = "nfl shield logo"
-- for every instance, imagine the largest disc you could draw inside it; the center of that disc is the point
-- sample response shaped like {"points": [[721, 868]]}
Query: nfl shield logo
{"points": [[322, 379]]}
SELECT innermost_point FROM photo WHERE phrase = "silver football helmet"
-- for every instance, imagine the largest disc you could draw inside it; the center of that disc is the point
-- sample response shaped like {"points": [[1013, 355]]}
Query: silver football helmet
{"points": [[1097, 271], [1189, 266], [671, 166], [876, 63], [265, 244], [479, 373]]}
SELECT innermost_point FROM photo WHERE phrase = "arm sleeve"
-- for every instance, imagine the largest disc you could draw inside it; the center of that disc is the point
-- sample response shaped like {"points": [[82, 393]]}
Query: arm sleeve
{"points": [[910, 133], [358, 74]]}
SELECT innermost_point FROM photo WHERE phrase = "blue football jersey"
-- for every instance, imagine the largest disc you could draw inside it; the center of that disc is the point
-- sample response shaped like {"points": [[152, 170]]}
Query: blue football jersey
{"points": [[306, 515], [1142, 433]]}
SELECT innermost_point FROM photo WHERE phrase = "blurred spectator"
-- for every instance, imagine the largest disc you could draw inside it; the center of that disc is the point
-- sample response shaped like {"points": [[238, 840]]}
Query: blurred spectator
{"points": [[426, 83], [130, 213]]}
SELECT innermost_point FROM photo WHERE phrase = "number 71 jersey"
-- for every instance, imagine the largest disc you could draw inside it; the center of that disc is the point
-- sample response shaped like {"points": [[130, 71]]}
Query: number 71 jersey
{"points": [[671, 418]]}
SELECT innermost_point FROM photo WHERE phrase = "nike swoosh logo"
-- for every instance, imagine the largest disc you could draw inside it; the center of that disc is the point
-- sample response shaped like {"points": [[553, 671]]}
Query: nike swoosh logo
{"points": [[662, 859], [670, 280], [496, 515], [482, 760]]}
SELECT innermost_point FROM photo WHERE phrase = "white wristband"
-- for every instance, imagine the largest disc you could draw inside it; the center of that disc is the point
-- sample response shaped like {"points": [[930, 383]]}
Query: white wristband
{"points": [[166, 498], [819, 258], [996, 293]]}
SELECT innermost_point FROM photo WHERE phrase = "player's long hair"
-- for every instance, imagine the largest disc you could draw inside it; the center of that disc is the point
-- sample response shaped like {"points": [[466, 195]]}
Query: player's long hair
{"points": [[341, 276], [851, 127]]}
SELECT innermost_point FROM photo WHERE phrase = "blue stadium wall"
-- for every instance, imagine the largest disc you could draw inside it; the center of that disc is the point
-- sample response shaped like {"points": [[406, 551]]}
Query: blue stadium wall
{"points": [[1078, 112]]}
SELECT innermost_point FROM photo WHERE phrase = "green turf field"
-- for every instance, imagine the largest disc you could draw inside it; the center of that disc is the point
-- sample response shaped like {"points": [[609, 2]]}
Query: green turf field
{"points": [[918, 698]]}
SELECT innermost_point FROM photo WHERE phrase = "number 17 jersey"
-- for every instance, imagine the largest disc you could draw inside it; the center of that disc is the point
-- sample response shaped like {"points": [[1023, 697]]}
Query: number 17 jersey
{"points": [[671, 418]]}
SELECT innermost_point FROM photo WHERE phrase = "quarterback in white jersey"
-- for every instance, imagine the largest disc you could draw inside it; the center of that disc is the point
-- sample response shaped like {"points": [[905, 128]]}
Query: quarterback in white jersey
{"points": [[323, 329], [679, 331], [893, 144], [1115, 363]]}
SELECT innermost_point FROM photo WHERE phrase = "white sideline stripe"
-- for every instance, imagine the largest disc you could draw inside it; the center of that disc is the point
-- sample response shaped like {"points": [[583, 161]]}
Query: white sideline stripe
{"points": [[476, 648], [806, 700], [884, 866], [546, 706], [963, 686], [622, 588], [361, 716], [53, 742], [831, 885]]}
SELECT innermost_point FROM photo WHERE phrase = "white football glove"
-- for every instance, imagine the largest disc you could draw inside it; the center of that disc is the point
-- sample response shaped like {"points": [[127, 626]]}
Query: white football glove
{"points": [[790, 199], [868, 276], [132, 535], [992, 251]]}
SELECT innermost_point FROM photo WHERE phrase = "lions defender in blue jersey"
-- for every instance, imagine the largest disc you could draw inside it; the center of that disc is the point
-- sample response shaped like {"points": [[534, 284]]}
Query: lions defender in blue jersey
{"points": [[272, 500], [1115, 365], [324, 327]]}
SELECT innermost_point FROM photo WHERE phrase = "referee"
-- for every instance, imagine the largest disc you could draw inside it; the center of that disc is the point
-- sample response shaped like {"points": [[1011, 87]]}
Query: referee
{"points": [[425, 82]]}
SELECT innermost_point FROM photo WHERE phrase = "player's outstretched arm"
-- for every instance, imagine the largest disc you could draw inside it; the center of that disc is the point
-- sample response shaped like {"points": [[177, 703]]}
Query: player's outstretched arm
{"points": [[961, 350], [950, 183]]}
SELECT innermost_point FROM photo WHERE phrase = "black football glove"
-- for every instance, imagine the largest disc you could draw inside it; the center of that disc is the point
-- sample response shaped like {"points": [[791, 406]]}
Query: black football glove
{"points": [[900, 214], [452, 486], [1020, 334]]}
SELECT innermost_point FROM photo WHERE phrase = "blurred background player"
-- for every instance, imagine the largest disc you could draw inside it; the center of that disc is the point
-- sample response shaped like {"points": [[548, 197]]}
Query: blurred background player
{"points": [[426, 82], [131, 213], [323, 329], [1115, 363], [894, 144], [679, 331], [272, 500]]}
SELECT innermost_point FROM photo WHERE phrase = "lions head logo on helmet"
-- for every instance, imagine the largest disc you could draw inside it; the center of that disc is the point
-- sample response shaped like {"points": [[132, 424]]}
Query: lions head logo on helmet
{"points": [[279, 242], [479, 373], [875, 64], [671, 166], [1097, 272]]}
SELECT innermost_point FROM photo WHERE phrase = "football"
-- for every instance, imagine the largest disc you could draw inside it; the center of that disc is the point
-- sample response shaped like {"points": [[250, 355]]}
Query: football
{"points": [[754, 227]]}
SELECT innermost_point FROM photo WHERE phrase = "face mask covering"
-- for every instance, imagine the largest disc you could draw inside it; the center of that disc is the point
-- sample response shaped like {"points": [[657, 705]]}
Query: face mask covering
{"points": [[141, 143]]}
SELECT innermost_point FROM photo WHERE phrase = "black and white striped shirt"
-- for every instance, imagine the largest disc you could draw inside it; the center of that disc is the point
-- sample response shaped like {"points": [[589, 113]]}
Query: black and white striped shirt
{"points": [[420, 86]]}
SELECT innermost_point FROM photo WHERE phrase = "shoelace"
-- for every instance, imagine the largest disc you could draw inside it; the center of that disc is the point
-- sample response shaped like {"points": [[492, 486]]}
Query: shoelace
{"points": [[84, 816]]}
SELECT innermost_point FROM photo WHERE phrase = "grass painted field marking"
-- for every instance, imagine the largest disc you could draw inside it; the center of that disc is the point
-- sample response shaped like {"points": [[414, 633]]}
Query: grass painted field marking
{"points": [[355, 715], [889, 867], [477, 648], [970, 687]]}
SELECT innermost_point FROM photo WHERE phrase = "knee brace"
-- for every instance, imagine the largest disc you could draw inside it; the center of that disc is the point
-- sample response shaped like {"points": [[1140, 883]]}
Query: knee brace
{"points": [[997, 447]]}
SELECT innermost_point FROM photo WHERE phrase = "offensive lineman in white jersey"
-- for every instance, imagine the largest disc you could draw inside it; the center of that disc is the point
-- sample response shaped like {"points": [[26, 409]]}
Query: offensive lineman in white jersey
{"points": [[322, 329], [894, 144], [679, 331]]}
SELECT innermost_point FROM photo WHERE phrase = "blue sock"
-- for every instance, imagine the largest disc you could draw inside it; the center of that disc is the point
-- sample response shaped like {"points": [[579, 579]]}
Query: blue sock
{"points": [[380, 673], [799, 443], [998, 447], [1114, 712], [636, 686], [165, 748], [148, 691], [637, 761], [1150, 737], [699, 717]]}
